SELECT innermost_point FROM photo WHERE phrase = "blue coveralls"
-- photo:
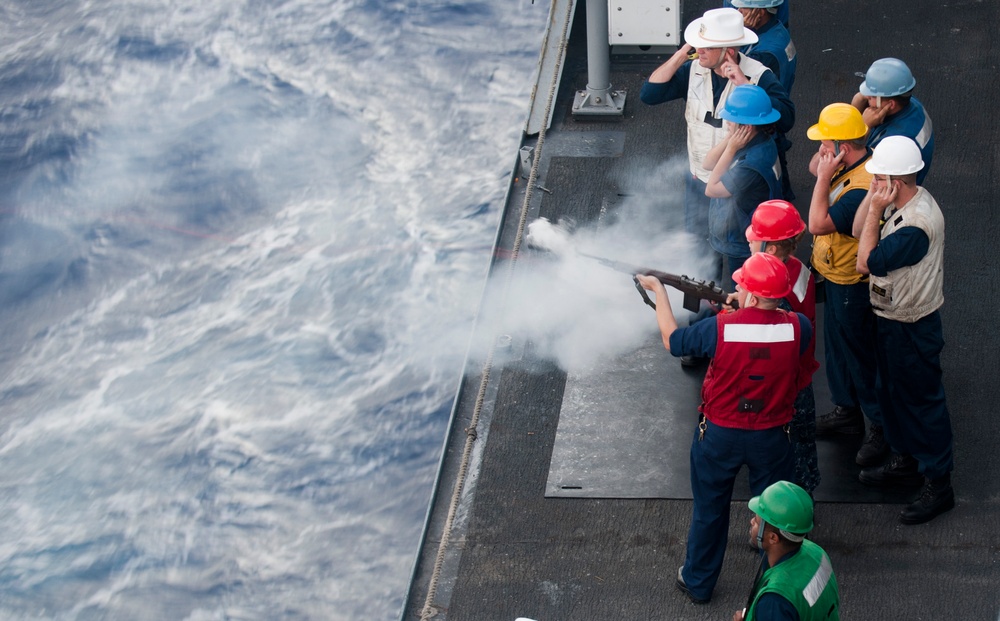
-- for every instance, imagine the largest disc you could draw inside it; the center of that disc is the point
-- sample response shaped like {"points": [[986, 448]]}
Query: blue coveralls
{"points": [[849, 326], [771, 51], [908, 355], [716, 459], [912, 122], [751, 181]]}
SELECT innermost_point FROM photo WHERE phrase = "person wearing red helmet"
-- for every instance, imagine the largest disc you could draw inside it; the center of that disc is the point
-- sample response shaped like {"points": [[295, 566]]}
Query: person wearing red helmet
{"points": [[747, 402], [776, 228]]}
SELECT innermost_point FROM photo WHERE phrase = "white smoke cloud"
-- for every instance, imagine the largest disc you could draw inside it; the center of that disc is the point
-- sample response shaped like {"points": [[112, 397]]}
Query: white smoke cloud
{"points": [[577, 311]]}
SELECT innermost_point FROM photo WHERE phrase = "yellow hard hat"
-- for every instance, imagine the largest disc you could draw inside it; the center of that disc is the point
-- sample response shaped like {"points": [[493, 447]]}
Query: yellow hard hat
{"points": [[838, 121]]}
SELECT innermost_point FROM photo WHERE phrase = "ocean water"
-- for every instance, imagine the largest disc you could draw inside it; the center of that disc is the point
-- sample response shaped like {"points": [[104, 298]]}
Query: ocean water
{"points": [[242, 245]]}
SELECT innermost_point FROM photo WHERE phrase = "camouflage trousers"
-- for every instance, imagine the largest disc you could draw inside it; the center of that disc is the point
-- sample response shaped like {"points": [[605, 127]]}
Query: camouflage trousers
{"points": [[802, 434]]}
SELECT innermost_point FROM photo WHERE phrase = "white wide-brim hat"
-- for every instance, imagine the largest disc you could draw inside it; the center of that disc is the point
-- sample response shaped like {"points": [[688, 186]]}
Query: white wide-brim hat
{"points": [[719, 28]]}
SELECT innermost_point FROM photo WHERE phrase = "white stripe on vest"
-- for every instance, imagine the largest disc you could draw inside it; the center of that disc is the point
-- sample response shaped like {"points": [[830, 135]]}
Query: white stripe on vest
{"points": [[758, 333], [801, 287], [815, 587]]}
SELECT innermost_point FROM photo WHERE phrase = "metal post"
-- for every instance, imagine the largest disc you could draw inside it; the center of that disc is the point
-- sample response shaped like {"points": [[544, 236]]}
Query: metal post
{"points": [[598, 99]]}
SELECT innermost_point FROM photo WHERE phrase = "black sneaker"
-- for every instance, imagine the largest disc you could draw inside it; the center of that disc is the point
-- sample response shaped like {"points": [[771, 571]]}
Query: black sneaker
{"points": [[899, 471], [936, 497], [875, 449], [684, 589], [841, 421]]}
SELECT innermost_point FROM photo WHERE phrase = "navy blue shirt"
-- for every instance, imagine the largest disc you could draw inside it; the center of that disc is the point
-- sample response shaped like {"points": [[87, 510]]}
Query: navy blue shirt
{"points": [[747, 187], [765, 58], [904, 247]]}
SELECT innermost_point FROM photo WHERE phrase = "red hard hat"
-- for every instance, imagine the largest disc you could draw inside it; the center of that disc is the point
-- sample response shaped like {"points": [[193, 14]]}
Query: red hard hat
{"points": [[775, 220], [764, 275]]}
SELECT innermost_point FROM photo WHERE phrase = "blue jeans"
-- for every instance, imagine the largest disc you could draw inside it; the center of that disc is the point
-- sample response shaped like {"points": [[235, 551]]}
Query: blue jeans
{"points": [[849, 338], [716, 459]]}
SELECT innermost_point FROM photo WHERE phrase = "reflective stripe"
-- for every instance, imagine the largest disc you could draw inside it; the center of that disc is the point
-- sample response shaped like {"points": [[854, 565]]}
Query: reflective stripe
{"points": [[925, 132], [790, 51], [801, 287], [758, 333], [815, 587], [838, 189]]}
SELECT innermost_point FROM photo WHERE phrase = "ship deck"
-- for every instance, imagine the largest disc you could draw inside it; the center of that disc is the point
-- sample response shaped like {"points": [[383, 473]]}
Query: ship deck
{"points": [[515, 551]]}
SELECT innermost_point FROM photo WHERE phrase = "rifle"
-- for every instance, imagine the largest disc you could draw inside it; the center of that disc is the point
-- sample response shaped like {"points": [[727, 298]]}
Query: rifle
{"points": [[694, 290]]}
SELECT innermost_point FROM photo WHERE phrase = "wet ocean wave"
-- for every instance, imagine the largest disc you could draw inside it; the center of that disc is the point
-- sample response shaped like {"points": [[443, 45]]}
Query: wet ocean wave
{"points": [[241, 248]]}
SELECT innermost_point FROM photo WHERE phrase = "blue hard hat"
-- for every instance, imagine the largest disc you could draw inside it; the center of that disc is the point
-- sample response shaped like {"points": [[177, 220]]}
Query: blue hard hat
{"points": [[887, 77], [749, 105], [755, 4]]}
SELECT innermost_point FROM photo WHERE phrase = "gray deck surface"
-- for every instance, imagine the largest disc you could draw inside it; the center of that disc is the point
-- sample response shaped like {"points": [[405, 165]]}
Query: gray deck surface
{"points": [[618, 438], [514, 552]]}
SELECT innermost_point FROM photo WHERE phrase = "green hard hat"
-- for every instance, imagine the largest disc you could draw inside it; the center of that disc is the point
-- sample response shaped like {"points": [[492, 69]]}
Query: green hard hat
{"points": [[786, 506]]}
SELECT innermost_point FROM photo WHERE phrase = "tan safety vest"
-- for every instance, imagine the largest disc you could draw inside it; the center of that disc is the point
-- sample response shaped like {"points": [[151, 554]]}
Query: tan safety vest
{"points": [[702, 136], [915, 291]]}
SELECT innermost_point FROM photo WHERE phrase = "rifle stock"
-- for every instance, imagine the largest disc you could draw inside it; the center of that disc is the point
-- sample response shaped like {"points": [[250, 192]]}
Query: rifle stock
{"points": [[694, 290]]}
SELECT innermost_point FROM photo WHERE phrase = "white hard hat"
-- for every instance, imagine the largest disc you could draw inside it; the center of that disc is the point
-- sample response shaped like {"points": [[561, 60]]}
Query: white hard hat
{"points": [[895, 155], [719, 28]]}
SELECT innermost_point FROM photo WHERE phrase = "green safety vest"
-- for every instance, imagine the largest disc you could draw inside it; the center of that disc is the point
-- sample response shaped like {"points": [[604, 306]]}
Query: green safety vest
{"points": [[807, 581]]}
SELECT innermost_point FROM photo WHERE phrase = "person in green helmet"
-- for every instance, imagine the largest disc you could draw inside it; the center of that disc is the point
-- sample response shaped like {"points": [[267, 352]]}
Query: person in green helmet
{"points": [[796, 578]]}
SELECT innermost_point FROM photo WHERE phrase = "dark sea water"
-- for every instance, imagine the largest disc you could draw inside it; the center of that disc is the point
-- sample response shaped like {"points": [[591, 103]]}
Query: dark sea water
{"points": [[242, 245]]}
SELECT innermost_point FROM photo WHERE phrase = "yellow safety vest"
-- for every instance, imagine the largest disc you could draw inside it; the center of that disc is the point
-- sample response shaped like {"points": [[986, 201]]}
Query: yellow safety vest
{"points": [[835, 255]]}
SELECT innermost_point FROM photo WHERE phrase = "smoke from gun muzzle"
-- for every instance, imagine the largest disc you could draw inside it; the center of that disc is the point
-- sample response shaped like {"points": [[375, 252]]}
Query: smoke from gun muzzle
{"points": [[543, 235]]}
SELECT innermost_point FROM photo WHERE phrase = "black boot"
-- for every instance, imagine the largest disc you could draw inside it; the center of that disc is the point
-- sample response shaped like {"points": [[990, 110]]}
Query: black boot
{"points": [[874, 450], [683, 588], [899, 471], [693, 362], [841, 421], [936, 497]]}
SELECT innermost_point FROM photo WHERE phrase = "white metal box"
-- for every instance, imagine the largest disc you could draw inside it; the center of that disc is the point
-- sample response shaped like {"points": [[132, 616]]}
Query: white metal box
{"points": [[644, 22]]}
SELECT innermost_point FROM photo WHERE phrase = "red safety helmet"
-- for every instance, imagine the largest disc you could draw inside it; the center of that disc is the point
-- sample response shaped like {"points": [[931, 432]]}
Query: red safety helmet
{"points": [[775, 220], [764, 275]]}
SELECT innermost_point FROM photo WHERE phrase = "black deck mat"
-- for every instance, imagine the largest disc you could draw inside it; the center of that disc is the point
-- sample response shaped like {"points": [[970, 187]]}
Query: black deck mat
{"points": [[618, 439]]}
